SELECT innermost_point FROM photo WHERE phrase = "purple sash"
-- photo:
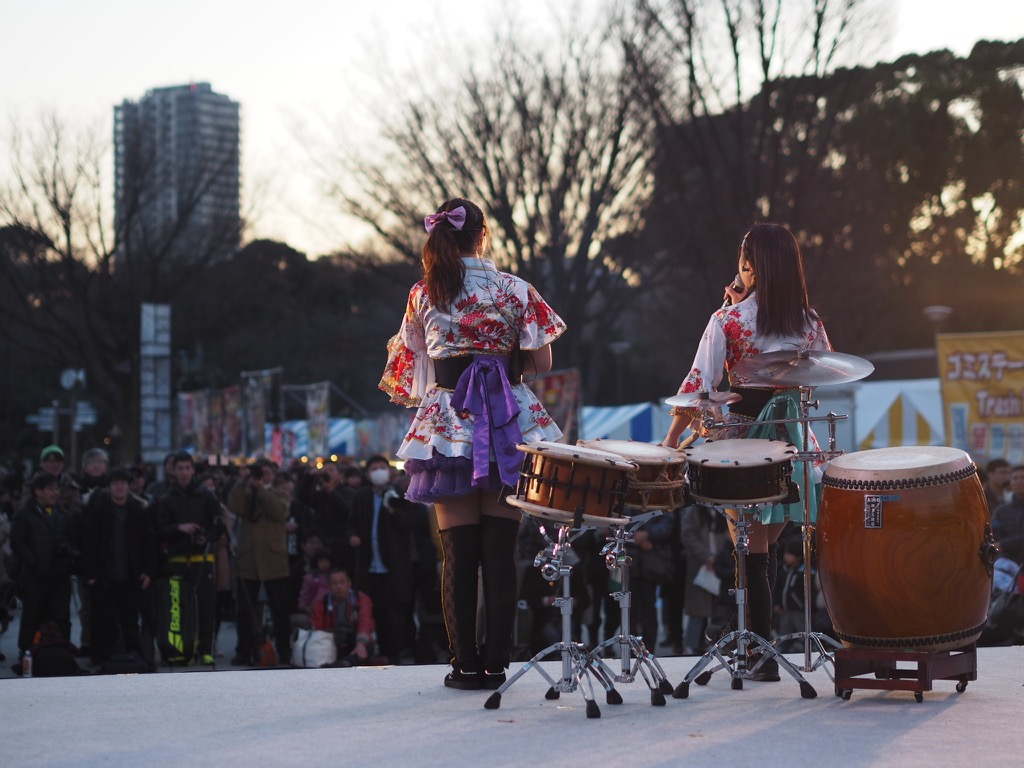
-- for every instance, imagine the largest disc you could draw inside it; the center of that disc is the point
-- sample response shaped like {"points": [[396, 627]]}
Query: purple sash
{"points": [[484, 390]]}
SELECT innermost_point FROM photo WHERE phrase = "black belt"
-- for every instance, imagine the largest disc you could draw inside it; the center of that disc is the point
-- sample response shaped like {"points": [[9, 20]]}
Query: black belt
{"points": [[448, 370], [753, 402]]}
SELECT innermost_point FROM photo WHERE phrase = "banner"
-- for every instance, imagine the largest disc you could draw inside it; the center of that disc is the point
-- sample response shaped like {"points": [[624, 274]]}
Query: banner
{"points": [[232, 421], [982, 380], [318, 414], [215, 423], [559, 393], [187, 429]]}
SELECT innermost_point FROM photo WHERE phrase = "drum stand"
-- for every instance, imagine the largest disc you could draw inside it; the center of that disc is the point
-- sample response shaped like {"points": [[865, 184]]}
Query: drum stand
{"points": [[615, 558], [805, 457], [577, 666], [744, 639]]}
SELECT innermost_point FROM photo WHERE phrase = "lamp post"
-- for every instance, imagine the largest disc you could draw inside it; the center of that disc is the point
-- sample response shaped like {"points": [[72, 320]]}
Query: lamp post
{"points": [[937, 314]]}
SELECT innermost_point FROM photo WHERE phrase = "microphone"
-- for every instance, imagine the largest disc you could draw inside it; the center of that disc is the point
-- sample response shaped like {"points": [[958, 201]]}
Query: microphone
{"points": [[737, 285]]}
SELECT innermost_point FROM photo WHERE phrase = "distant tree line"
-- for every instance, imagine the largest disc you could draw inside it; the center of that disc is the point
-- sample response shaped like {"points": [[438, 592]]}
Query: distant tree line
{"points": [[618, 169]]}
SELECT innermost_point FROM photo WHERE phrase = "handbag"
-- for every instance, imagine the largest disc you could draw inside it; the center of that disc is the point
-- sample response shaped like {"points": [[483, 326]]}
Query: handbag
{"points": [[313, 648], [707, 580]]}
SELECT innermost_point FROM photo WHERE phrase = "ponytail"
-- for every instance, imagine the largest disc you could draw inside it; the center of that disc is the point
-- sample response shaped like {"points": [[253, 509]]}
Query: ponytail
{"points": [[443, 270]]}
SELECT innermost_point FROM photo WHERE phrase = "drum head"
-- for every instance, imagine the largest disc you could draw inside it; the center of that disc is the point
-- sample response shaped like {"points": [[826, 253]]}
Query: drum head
{"points": [[562, 517], [640, 453], [575, 453], [740, 453], [899, 463]]}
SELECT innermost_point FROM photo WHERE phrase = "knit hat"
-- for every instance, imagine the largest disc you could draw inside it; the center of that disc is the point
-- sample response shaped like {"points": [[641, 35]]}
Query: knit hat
{"points": [[51, 450]]}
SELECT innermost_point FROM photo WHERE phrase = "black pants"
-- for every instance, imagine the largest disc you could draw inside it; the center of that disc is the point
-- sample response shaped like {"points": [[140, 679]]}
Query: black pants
{"points": [[250, 617], [115, 613], [42, 601], [395, 628]]}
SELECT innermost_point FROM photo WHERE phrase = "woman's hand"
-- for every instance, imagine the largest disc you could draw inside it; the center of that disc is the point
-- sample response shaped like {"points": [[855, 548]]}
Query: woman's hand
{"points": [[732, 295]]}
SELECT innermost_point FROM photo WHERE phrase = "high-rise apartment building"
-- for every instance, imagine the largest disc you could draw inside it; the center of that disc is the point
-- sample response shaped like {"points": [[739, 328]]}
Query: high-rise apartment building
{"points": [[177, 177]]}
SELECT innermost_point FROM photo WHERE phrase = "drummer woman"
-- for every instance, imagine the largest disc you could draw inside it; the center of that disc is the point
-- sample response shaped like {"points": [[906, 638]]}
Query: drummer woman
{"points": [[771, 314], [456, 357]]}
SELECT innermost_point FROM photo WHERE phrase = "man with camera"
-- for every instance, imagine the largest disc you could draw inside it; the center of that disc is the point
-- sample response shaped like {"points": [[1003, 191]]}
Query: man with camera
{"points": [[326, 493], [261, 509], [45, 555], [188, 523]]}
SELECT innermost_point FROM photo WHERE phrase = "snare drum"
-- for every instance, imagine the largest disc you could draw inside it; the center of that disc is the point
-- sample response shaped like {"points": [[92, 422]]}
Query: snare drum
{"points": [[659, 481], [902, 542], [740, 471], [557, 480]]}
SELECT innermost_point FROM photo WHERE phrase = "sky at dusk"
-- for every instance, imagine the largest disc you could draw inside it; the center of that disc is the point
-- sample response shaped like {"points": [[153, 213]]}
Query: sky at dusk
{"points": [[296, 66]]}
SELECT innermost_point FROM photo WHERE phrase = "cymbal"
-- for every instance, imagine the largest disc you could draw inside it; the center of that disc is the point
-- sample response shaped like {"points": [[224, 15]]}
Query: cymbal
{"points": [[800, 368], [703, 399]]}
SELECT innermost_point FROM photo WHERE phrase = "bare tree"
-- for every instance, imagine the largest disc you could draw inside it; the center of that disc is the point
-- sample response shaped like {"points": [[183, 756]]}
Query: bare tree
{"points": [[72, 281], [552, 146], [736, 144]]}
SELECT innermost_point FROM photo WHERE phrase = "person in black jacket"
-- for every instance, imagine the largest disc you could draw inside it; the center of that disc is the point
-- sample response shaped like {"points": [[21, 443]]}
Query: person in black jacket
{"points": [[382, 546], [188, 522], [44, 550], [118, 563]]}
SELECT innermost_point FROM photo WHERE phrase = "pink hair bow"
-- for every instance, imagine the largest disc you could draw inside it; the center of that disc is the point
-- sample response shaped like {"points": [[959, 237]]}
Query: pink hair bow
{"points": [[456, 217]]}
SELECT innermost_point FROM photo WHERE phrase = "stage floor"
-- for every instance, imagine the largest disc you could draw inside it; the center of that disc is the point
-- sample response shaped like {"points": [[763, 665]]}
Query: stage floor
{"points": [[403, 716]]}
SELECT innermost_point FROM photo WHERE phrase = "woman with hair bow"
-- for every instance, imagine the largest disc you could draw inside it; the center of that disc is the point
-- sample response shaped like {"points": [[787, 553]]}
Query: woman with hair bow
{"points": [[456, 359]]}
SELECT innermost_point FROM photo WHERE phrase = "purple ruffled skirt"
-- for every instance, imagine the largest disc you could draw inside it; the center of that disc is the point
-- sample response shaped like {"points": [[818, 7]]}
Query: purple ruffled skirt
{"points": [[439, 476]]}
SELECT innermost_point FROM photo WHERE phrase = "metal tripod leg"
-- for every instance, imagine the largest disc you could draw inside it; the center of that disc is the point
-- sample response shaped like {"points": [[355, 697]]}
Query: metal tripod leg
{"points": [[742, 639], [812, 639], [576, 663], [633, 654]]}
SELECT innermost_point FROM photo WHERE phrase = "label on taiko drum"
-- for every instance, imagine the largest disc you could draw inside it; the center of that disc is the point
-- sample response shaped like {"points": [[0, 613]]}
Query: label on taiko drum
{"points": [[873, 510]]}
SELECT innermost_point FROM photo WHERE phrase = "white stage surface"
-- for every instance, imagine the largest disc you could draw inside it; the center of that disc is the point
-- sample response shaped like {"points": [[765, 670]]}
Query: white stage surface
{"points": [[403, 716]]}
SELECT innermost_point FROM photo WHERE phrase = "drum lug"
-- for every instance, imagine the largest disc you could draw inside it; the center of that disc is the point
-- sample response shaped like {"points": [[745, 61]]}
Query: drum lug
{"points": [[989, 549]]}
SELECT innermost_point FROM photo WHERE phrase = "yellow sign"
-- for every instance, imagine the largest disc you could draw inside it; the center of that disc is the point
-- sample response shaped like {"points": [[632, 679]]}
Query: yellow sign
{"points": [[982, 379]]}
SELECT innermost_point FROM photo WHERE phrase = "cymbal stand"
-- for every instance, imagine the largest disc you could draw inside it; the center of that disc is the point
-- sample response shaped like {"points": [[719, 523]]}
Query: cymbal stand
{"points": [[576, 664], [744, 639], [817, 640], [616, 558]]}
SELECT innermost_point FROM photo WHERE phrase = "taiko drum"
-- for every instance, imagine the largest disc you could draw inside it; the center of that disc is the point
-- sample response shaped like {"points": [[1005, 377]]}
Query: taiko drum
{"points": [[905, 548], [558, 480], [659, 479]]}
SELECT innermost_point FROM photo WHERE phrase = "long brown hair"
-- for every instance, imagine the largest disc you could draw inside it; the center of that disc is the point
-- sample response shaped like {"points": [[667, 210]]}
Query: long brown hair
{"points": [[443, 270], [783, 308]]}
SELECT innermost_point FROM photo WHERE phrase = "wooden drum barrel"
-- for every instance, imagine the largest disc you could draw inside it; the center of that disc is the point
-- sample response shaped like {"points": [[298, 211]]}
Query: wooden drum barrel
{"points": [[905, 548]]}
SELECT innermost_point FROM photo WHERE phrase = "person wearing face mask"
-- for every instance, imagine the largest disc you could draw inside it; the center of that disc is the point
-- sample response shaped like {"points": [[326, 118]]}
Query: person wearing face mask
{"points": [[382, 554]]}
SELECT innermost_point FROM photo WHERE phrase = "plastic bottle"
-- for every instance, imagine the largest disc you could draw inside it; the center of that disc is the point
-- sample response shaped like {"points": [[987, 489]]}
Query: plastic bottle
{"points": [[26, 664]]}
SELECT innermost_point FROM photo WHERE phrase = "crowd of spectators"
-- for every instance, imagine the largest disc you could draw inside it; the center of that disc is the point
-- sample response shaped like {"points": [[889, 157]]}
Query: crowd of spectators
{"points": [[271, 550]]}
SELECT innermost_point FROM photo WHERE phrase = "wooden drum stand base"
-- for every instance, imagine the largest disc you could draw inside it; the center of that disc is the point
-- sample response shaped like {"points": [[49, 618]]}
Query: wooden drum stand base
{"points": [[851, 664]]}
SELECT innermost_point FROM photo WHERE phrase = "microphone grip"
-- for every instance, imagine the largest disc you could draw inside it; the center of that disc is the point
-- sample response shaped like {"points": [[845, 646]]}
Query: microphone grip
{"points": [[737, 285]]}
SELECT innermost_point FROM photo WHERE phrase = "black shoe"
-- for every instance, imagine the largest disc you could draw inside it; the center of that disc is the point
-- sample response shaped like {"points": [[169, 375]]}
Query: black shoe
{"points": [[238, 661], [464, 681], [494, 680], [716, 632], [766, 673], [16, 669]]}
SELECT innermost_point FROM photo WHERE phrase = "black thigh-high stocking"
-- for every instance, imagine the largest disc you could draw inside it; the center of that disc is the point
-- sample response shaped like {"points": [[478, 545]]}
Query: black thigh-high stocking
{"points": [[498, 561], [460, 549], [759, 596]]}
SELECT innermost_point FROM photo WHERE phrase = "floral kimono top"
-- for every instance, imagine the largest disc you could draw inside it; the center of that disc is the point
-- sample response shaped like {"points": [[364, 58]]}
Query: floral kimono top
{"points": [[730, 336], [493, 312]]}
